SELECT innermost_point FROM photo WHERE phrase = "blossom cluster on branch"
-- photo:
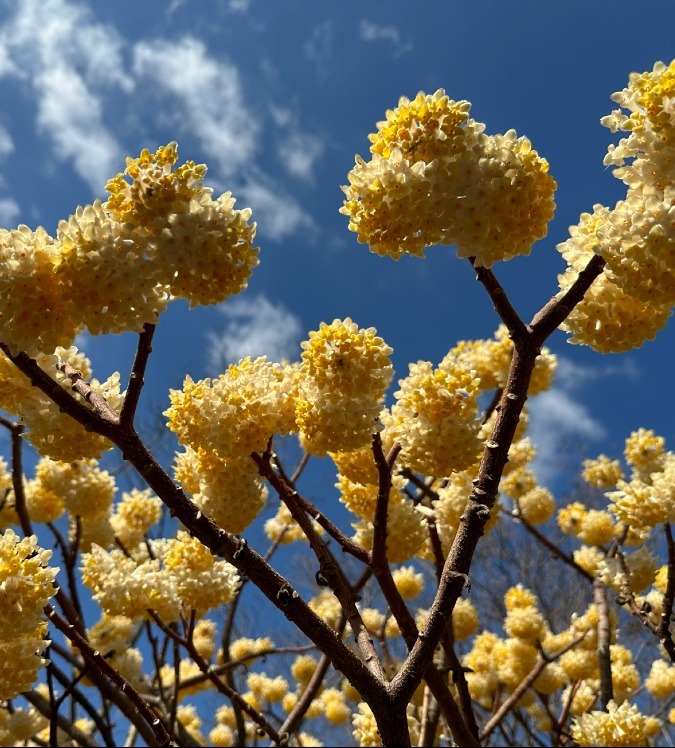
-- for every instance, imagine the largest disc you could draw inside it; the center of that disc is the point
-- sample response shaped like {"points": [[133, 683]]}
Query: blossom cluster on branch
{"points": [[428, 473]]}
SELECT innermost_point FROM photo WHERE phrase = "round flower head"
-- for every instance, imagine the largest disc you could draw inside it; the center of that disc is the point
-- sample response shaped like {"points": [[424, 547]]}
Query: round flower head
{"points": [[434, 178], [661, 679], [135, 514], [637, 241], [202, 581], [641, 566], [37, 310], [26, 583], [86, 489], [408, 582], [536, 505], [464, 619], [121, 292], [620, 725], [20, 660], [489, 359], [342, 357], [608, 319], [124, 586], [641, 504], [206, 255], [644, 452], [434, 418], [650, 122], [149, 190], [230, 492], [344, 374], [602, 472], [236, 413], [406, 531]]}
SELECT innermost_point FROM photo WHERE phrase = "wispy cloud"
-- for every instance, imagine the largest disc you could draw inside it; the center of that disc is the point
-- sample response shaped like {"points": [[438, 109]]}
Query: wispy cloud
{"points": [[560, 424], [278, 215], [65, 56], [9, 211], [318, 49], [373, 32], [255, 327], [299, 153], [212, 104]]}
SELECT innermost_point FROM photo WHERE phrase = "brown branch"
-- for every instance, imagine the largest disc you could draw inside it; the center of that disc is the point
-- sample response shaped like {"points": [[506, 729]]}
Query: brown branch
{"points": [[663, 630], [502, 305], [136, 377], [556, 311], [158, 736], [327, 565], [384, 464], [232, 694], [604, 641], [508, 704]]}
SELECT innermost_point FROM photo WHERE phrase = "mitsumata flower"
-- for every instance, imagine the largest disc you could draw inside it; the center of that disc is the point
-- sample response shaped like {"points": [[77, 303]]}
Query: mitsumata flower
{"points": [[344, 374], [436, 178]]}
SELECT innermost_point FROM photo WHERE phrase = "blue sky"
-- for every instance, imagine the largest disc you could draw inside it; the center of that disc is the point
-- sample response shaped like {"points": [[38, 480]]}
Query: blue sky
{"points": [[276, 98]]}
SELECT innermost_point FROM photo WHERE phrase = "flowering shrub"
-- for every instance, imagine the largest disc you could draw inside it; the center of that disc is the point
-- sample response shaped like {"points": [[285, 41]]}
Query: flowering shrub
{"points": [[390, 645]]}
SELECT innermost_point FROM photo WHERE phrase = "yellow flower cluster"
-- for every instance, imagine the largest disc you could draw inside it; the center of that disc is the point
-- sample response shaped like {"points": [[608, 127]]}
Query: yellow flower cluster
{"points": [[20, 660], [523, 619], [201, 580], [230, 492], [182, 572], [86, 490], [199, 248], [236, 413], [661, 679], [644, 451], [464, 619], [620, 725], [114, 266], [134, 515], [406, 531], [122, 585], [344, 375], [648, 497], [608, 319], [26, 585], [36, 311], [434, 418], [631, 300], [641, 566], [436, 178], [408, 582], [602, 472], [649, 100], [50, 431]]}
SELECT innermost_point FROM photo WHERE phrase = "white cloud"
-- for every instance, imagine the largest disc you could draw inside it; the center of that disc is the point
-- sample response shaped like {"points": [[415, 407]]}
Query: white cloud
{"points": [[239, 6], [209, 91], [277, 214], [560, 424], [9, 211], [318, 48], [372, 32], [255, 327], [299, 152], [64, 55], [73, 120], [6, 143]]}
